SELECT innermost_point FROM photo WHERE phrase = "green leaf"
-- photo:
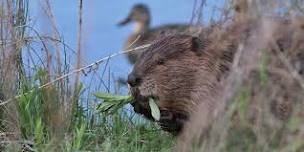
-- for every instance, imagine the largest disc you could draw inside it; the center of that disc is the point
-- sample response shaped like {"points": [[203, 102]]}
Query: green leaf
{"points": [[154, 109], [112, 103], [111, 97], [105, 106]]}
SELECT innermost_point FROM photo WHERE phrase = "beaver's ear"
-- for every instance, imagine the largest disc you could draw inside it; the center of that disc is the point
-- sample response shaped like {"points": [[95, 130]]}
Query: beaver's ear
{"points": [[197, 45]]}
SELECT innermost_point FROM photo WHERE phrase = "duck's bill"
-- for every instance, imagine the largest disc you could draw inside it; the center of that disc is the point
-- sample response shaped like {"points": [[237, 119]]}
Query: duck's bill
{"points": [[125, 21]]}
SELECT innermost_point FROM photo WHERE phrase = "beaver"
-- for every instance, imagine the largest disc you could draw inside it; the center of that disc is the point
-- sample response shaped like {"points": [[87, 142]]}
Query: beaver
{"points": [[187, 76], [182, 72], [179, 72]]}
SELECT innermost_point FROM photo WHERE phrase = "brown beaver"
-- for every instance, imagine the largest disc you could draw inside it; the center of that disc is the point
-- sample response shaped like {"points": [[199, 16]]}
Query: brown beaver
{"points": [[187, 77], [180, 72]]}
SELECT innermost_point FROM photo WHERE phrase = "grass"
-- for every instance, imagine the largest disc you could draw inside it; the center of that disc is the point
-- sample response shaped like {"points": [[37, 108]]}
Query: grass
{"points": [[57, 116]]}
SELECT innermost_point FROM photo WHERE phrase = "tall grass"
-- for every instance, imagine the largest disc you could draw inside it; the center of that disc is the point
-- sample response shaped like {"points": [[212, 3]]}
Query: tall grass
{"points": [[53, 117]]}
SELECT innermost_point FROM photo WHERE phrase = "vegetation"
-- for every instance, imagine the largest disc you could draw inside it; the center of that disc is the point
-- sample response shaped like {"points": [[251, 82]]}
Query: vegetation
{"points": [[41, 109]]}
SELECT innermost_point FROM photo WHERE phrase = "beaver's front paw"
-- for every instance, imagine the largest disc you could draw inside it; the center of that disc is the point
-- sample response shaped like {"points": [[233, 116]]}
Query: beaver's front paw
{"points": [[172, 122]]}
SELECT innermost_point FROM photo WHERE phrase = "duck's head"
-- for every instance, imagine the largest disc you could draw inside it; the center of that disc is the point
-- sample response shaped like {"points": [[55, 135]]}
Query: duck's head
{"points": [[139, 14]]}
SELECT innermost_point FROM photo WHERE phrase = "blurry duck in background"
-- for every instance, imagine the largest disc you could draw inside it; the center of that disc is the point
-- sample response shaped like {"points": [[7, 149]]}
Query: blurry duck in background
{"points": [[144, 34]]}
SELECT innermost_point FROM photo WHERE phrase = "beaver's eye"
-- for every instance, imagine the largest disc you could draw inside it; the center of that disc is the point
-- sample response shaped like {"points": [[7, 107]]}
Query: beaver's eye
{"points": [[160, 61]]}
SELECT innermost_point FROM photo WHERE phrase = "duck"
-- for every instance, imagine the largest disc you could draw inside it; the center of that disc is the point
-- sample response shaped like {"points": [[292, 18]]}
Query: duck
{"points": [[143, 33]]}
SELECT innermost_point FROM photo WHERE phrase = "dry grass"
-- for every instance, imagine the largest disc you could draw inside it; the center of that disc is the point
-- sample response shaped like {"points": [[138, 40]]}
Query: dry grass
{"points": [[43, 107]]}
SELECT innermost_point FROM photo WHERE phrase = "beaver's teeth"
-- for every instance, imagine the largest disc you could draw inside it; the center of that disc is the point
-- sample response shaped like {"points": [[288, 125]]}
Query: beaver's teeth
{"points": [[155, 112]]}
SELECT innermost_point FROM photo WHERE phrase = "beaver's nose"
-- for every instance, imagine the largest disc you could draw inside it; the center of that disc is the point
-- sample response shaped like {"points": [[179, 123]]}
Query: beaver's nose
{"points": [[133, 80]]}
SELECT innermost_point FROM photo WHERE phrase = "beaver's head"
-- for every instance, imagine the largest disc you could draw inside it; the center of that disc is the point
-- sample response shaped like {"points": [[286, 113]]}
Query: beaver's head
{"points": [[167, 72]]}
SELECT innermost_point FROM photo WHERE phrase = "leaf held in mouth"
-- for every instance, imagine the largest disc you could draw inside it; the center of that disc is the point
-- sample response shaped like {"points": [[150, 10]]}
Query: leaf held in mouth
{"points": [[112, 103], [154, 109]]}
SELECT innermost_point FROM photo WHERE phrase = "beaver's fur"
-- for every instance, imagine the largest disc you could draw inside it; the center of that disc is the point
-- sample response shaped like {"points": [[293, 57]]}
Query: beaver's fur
{"points": [[191, 76], [181, 72]]}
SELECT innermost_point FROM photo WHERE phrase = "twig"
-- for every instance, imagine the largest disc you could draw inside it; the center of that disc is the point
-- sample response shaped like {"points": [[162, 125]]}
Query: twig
{"points": [[79, 42], [90, 66], [51, 16], [290, 68]]}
